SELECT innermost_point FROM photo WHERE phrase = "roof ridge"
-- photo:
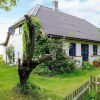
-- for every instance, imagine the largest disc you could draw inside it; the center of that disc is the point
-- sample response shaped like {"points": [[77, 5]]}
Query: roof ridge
{"points": [[34, 10], [37, 9], [62, 12]]}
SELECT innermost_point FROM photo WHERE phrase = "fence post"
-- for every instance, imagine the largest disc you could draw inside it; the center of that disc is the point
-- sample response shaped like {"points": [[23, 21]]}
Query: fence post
{"points": [[94, 83], [91, 83], [98, 83]]}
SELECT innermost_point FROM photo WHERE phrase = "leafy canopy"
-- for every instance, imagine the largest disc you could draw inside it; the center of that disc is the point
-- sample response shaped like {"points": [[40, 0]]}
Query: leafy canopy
{"points": [[7, 4]]}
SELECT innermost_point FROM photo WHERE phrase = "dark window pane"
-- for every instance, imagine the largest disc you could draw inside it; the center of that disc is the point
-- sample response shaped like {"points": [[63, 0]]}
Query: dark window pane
{"points": [[72, 49], [94, 49], [13, 59]]}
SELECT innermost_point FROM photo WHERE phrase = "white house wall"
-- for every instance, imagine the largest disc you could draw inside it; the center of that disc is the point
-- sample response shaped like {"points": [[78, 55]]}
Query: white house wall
{"points": [[78, 51], [98, 49], [78, 56], [4, 53], [18, 46], [94, 57], [16, 41], [5, 57]]}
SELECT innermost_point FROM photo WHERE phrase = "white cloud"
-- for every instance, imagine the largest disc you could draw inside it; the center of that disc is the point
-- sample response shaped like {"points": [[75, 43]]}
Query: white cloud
{"points": [[88, 9]]}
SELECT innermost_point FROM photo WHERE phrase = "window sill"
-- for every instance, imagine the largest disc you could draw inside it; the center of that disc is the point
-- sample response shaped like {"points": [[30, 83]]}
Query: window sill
{"points": [[75, 56], [94, 55]]}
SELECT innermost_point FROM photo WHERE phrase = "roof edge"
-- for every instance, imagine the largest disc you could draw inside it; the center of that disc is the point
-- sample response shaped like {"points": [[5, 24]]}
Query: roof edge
{"points": [[21, 20], [72, 38]]}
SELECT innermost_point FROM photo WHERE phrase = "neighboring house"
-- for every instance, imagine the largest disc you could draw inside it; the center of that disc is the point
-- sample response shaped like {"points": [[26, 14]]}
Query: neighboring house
{"points": [[82, 35]]}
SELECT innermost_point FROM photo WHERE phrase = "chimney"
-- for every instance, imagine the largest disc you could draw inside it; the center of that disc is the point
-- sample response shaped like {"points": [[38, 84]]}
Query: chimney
{"points": [[55, 5]]}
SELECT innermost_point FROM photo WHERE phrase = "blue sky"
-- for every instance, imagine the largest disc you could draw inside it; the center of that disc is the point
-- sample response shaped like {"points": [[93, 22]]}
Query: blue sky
{"points": [[86, 9]]}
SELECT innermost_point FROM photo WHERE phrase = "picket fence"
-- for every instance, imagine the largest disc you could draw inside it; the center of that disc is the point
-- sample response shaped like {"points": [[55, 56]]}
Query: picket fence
{"points": [[82, 92]]}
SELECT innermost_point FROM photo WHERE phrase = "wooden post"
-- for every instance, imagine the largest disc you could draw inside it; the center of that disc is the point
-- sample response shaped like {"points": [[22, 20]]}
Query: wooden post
{"points": [[94, 83], [98, 83], [91, 83]]}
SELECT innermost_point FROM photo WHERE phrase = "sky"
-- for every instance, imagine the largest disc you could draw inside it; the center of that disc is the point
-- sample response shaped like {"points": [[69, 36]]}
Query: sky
{"points": [[86, 9]]}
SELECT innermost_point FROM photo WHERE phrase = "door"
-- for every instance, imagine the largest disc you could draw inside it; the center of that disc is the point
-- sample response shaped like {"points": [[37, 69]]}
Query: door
{"points": [[84, 51]]}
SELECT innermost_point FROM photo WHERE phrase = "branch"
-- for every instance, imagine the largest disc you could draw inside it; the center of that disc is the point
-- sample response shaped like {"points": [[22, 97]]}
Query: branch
{"points": [[46, 57]]}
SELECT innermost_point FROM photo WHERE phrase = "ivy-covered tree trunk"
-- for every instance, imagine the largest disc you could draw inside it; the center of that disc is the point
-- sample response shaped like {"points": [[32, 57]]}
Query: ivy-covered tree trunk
{"points": [[23, 75], [28, 64]]}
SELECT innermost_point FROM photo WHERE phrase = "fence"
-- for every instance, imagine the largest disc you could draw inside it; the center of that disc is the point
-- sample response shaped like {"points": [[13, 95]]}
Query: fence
{"points": [[94, 83], [83, 90]]}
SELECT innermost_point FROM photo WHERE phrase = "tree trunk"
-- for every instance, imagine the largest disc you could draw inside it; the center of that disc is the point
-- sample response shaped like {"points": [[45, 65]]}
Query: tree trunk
{"points": [[23, 75], [24, 70]]}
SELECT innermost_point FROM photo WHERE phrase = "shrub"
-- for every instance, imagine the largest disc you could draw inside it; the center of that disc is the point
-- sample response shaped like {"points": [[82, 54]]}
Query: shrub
{"points": [[9, 52], [88, 66], [93, 95], [61, 65], [43, 70]]}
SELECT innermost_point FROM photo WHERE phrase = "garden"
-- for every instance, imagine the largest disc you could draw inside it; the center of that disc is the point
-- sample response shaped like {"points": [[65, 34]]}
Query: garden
{"points": [[55, 86], [46, 72]]}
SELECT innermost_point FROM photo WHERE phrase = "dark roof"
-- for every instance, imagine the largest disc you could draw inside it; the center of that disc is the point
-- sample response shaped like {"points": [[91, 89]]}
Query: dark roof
{"points": [[61, 24]]}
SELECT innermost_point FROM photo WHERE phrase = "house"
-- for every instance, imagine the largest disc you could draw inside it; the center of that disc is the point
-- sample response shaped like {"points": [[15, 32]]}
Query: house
{"points": [[82, 35]]}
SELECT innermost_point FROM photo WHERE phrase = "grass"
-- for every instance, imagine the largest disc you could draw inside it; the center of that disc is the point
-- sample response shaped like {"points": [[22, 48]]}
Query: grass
{"points": [[56, 87]]}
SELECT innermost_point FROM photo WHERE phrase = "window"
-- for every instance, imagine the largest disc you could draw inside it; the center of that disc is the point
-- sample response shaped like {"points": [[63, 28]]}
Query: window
{"points": [[72, 49], [20, 29], [94, 49]]}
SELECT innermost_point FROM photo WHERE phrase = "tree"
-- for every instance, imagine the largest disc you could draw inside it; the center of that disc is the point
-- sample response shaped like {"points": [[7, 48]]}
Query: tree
{"points": [[28, 63], [7, 4]]}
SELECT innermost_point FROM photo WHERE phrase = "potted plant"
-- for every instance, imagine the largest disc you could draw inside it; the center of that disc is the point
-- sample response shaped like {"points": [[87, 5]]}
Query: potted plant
{"points": [[95, 63]]}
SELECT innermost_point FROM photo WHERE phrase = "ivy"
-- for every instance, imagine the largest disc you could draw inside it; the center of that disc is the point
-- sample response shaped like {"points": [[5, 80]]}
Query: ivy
{"points": [[25, 33]]}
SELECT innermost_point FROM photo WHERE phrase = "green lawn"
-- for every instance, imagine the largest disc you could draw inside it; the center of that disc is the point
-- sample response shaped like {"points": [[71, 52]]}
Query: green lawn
{"points": [[56, 87]]}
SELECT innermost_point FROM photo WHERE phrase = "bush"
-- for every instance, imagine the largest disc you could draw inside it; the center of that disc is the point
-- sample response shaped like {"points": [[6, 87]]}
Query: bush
{"points": [[43, 70], [60, 62], [93, 95], [61, 65], [88, 66], [9, 52]]}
